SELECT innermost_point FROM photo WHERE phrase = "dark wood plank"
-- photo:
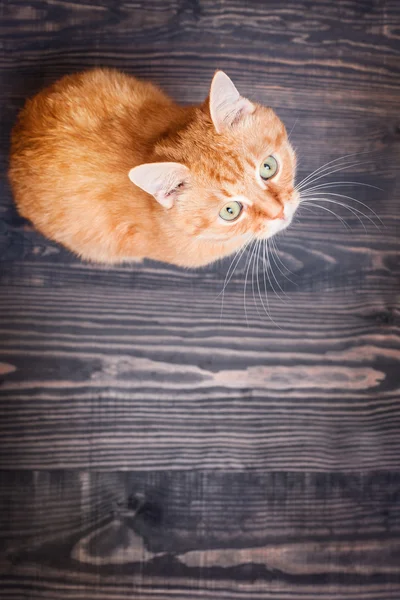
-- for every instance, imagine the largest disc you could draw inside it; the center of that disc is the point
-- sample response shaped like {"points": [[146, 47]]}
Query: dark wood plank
{"points": [[132, 381], [154, 444], [279, 535]]}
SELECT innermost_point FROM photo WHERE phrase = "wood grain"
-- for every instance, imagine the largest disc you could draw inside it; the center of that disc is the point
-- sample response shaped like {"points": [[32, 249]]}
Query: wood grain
{"points": [[203, 395], [282, 533], [155, 442]]}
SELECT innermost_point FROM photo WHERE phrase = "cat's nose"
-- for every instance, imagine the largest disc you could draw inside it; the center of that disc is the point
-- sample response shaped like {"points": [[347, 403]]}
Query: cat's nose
{"points": [[280, 214]]}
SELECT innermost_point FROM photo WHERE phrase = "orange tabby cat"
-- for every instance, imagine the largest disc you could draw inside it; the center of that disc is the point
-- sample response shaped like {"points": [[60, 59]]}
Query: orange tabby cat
{"points": [[114, 170]]}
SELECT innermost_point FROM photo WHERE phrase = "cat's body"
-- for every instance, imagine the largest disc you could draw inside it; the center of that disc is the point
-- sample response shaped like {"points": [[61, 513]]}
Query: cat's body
{"points": [[76, 142]]}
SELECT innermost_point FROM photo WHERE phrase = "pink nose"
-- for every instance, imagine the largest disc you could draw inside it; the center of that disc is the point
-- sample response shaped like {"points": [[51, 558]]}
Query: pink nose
{"points": [[280, 214]]}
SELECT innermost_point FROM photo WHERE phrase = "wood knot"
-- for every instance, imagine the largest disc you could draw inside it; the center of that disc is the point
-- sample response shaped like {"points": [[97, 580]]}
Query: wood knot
{"points": [[147, 510]]}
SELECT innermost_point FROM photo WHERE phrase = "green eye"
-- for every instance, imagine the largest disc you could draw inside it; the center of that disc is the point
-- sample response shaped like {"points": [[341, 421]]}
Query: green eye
{"points": [[231, 211], [268, 167]]}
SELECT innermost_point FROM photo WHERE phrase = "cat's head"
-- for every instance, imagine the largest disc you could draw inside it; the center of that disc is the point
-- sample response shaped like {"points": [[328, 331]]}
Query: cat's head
{"points": [[228, 172]]}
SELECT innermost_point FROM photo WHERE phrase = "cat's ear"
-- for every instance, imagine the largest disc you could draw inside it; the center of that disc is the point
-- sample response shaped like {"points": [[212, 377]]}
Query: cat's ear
{"points": [[161, 180], [227, 106]]}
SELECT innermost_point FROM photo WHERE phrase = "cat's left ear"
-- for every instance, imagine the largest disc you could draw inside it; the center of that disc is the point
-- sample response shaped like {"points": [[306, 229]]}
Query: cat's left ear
{"points": [[227, 106], [161, 180]]}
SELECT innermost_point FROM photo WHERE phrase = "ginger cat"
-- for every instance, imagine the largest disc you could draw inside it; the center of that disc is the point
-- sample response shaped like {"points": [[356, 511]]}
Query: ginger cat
{"points": [[113, 169]]}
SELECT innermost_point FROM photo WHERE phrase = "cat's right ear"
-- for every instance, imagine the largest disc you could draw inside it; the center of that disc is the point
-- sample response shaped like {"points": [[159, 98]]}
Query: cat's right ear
{"points": [[227, 106], [161, 180]]}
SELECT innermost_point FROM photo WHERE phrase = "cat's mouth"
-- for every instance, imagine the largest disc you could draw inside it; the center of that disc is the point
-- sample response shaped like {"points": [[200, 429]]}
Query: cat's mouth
{"points": [[276, 225]]}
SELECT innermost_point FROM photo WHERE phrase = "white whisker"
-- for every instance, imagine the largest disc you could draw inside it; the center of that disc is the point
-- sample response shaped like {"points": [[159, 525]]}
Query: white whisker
{"points": [[291, 131], [258, 282], [336, 183], [245, 283], [346, 225], [241, 250], [265, 274], [276, 264], [237, 257], [331, 162], [306, 195], [255, 264], [354, 211], [273, 275], [275, 247], [328, 173], [305, 208]]}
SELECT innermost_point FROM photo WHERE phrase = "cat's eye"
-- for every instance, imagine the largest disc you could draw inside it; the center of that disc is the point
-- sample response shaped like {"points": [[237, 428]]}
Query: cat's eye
{"points": [[231, 211], [268, 168]]}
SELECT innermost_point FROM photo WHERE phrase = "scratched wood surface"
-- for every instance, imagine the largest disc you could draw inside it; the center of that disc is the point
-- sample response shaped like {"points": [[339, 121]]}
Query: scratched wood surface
{"points": [[155, 444]]}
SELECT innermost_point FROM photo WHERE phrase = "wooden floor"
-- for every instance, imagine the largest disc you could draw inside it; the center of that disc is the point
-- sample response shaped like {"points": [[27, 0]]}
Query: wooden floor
{"points": [[154, 446]]}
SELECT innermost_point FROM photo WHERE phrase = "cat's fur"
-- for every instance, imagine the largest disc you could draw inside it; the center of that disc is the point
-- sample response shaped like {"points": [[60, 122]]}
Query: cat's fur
{"points": [[76, 143]]}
